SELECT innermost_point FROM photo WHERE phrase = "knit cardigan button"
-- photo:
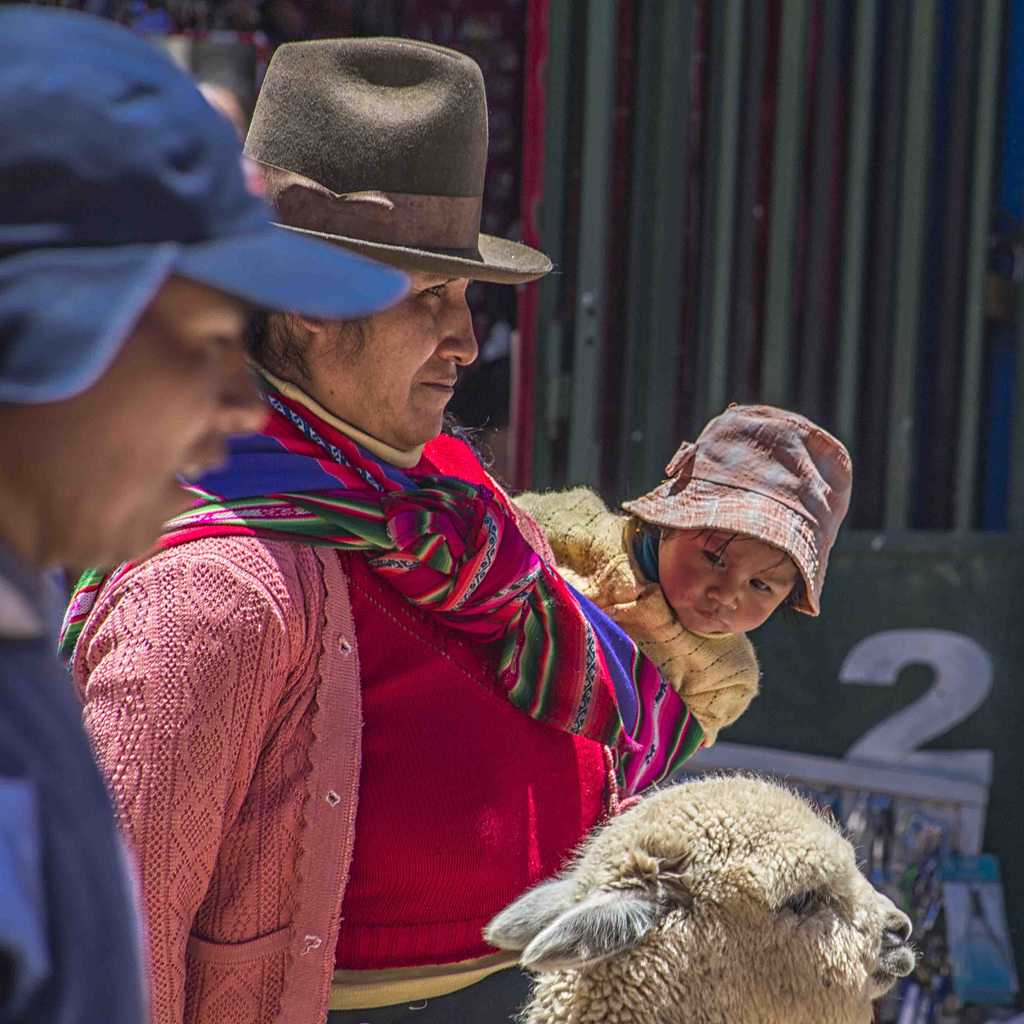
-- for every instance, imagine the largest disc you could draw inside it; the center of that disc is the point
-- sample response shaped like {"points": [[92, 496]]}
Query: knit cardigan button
{"points": [[312, 942], [344, 646], [332, 798]]}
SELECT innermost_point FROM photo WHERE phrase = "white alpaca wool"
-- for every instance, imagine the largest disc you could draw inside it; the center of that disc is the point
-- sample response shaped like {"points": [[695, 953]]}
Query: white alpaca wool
{"points": [[726, 900]]}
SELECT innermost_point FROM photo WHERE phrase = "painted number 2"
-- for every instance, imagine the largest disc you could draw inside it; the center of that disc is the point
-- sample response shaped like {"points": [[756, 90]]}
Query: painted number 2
{"points": [[963, 679]]}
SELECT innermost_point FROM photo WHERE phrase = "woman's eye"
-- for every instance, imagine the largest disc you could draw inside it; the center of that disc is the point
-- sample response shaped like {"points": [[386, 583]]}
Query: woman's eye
{"points": [[760, 585], [437, 290]]}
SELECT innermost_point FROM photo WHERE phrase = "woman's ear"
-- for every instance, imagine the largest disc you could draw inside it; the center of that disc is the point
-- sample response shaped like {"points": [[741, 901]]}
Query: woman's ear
{"points": [[312, 324]]}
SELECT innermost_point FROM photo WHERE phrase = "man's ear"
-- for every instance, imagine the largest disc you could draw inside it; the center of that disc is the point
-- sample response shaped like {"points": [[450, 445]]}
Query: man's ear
{"points": [[600, 926], [520, 922]]}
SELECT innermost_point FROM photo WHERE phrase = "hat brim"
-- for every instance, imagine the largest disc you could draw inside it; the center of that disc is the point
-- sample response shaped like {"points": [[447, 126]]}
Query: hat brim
{"points": [[496, 260], [281, 270], [702, 505]]}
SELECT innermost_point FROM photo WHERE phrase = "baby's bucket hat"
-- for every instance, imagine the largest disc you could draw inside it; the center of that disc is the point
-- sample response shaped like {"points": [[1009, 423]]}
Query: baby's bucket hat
{"points": [[764, 472], [115, 173]]}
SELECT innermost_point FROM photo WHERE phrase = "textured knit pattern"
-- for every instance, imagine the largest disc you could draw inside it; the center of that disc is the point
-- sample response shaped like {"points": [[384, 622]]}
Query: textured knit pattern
{"points": [[200, 672], [717, 676]]}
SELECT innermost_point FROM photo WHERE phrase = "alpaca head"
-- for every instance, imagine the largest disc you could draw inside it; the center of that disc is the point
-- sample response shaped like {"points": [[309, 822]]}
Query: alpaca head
{"points": [[725, 898]]}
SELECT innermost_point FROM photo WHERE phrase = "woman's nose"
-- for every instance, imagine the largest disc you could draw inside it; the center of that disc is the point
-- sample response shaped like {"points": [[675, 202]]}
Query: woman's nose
{"points": [[459, 340]]}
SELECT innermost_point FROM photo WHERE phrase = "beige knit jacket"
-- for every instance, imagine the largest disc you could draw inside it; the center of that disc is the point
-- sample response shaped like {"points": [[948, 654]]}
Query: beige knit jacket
{"points": [[716, 676]]}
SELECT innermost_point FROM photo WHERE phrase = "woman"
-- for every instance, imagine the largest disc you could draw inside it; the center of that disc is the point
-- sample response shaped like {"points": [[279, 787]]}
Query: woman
{"points": [[348, 714]]}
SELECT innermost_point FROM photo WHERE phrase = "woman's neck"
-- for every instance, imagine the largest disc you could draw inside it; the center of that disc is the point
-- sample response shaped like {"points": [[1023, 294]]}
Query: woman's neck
{"points": [[402, 458]]}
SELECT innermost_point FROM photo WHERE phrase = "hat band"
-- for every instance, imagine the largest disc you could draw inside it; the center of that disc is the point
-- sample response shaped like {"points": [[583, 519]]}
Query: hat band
{"points": [[389, 218]]}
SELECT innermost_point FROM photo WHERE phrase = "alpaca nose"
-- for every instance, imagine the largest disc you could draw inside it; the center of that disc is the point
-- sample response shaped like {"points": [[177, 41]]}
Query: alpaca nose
{"points": [[898, 926]]}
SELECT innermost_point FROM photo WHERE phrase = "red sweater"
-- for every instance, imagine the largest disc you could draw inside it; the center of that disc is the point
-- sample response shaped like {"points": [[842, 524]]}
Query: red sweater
{"points": [[464, 801]]}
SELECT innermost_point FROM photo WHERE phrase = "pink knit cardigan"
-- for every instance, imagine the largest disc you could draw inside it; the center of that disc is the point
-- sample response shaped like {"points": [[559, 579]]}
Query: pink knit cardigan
{"points": [[221, 688]]}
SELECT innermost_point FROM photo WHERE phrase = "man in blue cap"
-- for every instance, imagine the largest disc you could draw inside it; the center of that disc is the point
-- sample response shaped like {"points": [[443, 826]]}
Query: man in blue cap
{"points": [[131, 249]]}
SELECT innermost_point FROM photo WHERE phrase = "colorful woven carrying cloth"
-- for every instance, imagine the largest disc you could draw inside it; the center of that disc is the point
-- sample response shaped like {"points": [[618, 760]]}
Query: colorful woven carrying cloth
{"points": [[452, 549]]}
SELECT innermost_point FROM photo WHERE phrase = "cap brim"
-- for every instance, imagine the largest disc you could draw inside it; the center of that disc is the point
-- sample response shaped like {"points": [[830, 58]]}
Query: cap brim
{"points": [[65, 313], [279, 269], [496, 260]]}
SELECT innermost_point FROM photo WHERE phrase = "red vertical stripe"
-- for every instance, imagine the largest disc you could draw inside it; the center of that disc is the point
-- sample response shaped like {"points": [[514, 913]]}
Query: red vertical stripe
{"points": [[525, 356]]}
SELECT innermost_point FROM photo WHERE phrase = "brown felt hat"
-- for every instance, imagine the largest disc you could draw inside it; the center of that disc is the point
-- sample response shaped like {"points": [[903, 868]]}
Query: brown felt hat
{"points": [[380, 145]]}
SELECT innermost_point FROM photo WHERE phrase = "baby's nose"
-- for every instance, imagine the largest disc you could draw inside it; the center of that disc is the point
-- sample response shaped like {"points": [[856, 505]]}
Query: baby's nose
{"points": [[723, 593]]}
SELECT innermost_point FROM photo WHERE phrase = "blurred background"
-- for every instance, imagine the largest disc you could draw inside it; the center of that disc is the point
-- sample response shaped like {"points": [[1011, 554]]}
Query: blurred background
{"points": [[813, 203]]}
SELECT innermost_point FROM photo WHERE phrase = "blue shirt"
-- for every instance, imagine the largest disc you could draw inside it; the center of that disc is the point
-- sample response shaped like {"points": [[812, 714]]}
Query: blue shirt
{"points": [[69, 949]]}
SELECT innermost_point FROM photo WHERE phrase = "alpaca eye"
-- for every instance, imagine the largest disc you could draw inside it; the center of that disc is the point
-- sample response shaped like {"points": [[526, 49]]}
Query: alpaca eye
{"points": [[804, 904]]}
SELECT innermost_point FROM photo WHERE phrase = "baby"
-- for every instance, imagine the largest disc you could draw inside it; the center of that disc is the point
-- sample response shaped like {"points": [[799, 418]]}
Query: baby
{"points": [[742, 526]]}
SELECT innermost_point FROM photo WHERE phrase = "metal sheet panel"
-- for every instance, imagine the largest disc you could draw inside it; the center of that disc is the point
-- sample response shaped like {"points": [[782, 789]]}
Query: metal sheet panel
{"points": [[584, 451], [658, 204], [981, 201], [776, 366], [913, 190], [855, 219], [724, 186]]}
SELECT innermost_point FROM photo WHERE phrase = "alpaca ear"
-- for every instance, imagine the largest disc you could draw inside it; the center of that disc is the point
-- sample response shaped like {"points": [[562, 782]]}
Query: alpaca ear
{"points": [[598, 927], [520, 922]]}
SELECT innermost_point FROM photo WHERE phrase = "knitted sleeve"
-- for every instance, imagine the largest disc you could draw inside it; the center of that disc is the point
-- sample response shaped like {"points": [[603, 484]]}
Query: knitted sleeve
{"points": [[179, 668], [587, 541]]}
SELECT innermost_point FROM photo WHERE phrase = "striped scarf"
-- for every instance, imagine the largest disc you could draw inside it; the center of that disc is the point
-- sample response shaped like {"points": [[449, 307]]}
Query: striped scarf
{"points": [[453, 549]]}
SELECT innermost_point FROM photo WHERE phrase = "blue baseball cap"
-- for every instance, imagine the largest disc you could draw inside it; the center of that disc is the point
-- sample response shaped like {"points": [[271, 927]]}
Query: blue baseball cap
{"points": [[115, 173]]}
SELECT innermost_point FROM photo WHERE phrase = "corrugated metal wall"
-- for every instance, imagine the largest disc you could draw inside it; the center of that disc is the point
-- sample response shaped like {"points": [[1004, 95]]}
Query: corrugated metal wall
{"points": [[786, 201]]}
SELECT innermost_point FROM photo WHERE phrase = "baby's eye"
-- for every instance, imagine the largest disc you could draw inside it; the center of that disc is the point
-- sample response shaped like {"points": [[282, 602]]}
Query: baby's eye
{"points": [[714, 559], [760, 585]]}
